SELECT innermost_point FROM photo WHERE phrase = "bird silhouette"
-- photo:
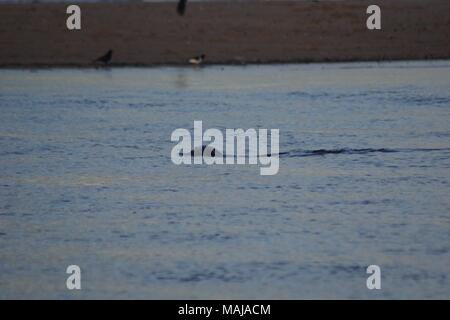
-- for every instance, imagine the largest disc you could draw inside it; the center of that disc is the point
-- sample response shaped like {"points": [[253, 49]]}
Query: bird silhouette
{"points": [[106, 58], [181, 7]]}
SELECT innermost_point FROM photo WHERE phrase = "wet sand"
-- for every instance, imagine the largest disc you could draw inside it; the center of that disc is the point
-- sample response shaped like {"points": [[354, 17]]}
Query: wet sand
{"points": [[236, 32]]}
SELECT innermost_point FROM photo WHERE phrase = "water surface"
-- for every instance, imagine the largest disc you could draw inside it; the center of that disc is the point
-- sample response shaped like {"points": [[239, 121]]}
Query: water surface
{"points": [[86, 178]]}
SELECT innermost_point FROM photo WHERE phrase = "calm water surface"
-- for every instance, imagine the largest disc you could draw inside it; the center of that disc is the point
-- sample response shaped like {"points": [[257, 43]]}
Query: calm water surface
{"points": [[86, 178]]}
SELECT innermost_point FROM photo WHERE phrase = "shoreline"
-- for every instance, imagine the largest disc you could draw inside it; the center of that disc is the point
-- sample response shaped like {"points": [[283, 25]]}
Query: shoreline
{"points": [[229, 33], [205, 65]]}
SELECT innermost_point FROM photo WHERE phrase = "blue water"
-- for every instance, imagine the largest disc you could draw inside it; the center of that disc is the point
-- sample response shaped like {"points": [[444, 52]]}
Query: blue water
{"points": [[86, 179]]}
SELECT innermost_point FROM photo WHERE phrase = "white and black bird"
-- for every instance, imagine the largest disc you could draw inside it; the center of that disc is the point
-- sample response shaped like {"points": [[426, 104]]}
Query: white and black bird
{"points": [[197, 60], [181, 7]]}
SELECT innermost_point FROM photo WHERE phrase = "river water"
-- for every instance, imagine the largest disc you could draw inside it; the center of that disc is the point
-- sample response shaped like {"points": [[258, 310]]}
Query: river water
{"points": [[86, 179]]}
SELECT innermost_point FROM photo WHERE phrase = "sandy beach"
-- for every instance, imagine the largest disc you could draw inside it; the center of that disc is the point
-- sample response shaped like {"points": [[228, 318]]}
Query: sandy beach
{"points": [[227, 32]]}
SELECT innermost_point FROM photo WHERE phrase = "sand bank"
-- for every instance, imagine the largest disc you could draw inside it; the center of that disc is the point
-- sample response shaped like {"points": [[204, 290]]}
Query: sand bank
{"points": [[227, 32]]}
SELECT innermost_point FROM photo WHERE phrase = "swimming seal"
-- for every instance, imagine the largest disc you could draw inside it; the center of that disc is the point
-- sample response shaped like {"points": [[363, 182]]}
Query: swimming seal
{"points": [[207, 151]]}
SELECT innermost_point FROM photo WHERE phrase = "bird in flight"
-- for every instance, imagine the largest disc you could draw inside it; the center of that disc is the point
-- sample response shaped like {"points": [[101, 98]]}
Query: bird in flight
{"points": [[181, 7], [106, 58]]}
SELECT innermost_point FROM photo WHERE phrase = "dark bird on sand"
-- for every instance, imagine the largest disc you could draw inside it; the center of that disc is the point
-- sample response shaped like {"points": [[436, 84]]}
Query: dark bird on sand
{"points": [[105, 58], [181, 7]]}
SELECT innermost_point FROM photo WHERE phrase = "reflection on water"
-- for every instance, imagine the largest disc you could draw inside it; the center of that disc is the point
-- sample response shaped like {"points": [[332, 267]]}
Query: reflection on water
{"points": [[181, 81], [86, 178]]}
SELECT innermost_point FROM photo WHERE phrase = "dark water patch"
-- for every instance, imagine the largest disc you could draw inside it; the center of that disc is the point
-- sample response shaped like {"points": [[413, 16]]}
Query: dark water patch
{"points": [[390, 65], [126, 236], [140, 105], [439, 251], [16, 153], [401, 95], [346, 95], [346, 269], [416, 99], [352, 151], [422, 275], [345, 151], [124, 146], [228, 272], [309, 95], [7, 214], [38, 149]]}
